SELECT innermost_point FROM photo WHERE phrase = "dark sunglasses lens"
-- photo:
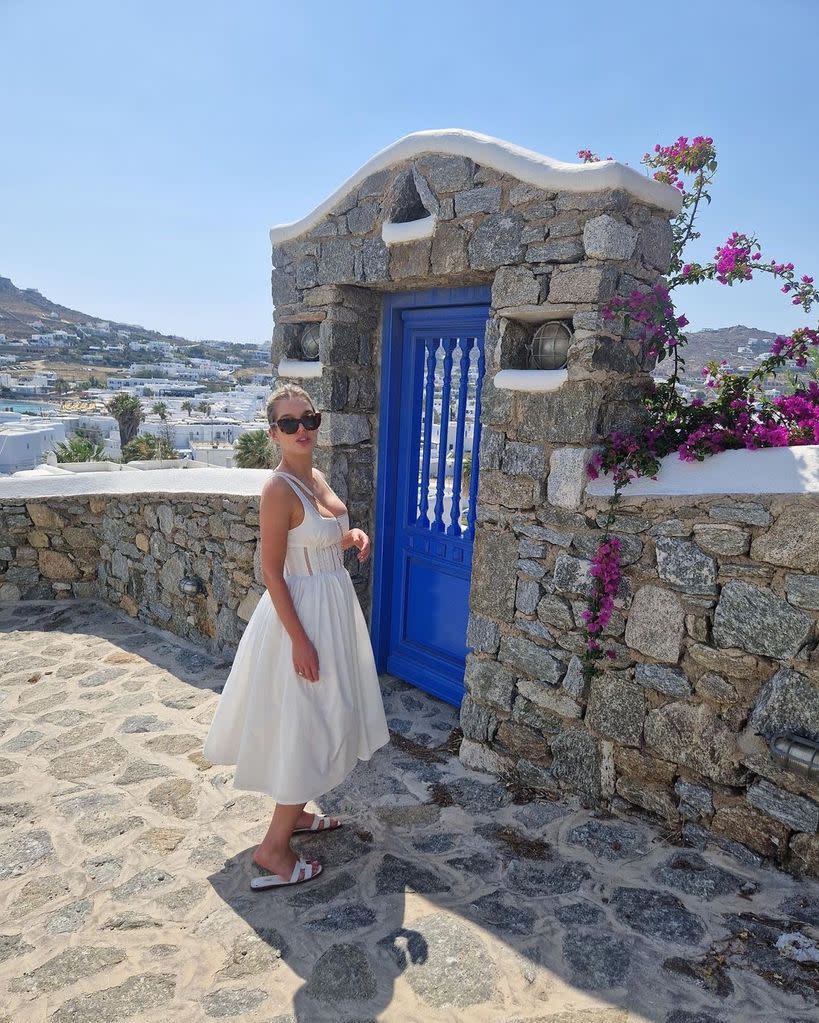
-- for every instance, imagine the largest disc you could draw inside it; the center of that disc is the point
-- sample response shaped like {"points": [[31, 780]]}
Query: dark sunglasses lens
{"points": [[310, 421]]}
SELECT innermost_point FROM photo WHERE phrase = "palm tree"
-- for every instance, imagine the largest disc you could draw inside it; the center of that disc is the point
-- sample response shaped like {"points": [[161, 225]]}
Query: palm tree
{"points": [[79, 449], [205, 407], [61, 386], [145, 447], [160, 409], [127, 411], [187, 406], [253, 450]]}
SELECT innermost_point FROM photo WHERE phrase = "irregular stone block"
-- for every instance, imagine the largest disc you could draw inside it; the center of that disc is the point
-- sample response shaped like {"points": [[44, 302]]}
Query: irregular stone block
{"points": [[803, 591], [566, 416], [577, 762], [743, 513], [670, 681], [494, 574], [482, 634], [533, 660], [567, 476], [695, 800], [795, 812], [410, 259], [789, 702], [489, 684], [656, 241], [556, 250], [527, 596], [514, 286], [497, 240], [448, 255], [524, 460], [751, 829], [616, 709], [685, 566], [756, 620], [571, 575], [575, 285], [446, 173], [337, 263], [805, 854], [727, 541], [552, 610], [546, 698], [651, 798], [484, 199], [607, 238], [792, 541], [695, 737], [477, 723], [656, 624]]}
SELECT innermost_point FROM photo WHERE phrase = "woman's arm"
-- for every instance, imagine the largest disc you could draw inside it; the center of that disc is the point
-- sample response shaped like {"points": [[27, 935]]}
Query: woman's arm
{"points": [[275, 509]]}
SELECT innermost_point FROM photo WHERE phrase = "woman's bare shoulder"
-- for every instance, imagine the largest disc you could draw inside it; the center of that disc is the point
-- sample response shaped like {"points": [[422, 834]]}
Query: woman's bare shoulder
{"points": [[277, 491]]}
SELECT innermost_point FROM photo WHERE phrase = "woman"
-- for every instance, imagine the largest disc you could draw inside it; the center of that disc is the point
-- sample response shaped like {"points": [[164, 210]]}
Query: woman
{"points": [[302, 703]]}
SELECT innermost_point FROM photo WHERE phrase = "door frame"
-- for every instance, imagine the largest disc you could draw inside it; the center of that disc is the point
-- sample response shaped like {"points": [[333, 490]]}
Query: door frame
{"points": [[387, 464]]}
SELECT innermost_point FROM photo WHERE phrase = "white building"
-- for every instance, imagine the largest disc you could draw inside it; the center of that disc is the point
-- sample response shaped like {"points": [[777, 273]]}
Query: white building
{"points": [[24, 445]]}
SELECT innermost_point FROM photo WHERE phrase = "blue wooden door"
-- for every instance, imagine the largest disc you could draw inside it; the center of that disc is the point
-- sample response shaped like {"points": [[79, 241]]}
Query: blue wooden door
{"points": [[434, 370]]}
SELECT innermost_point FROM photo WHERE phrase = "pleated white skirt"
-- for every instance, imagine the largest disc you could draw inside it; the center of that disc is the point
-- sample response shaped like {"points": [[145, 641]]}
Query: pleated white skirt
{"points": [[292, 739]]}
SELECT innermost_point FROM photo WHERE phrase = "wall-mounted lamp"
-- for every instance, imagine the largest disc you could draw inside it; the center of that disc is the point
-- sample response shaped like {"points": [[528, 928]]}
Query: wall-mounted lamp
{"points": [[549, 348], [190, 586], [796, 753]]}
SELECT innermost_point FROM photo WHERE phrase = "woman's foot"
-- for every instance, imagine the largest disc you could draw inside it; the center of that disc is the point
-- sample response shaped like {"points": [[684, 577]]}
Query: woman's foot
{"points": [[314, 822], [281, 864]]}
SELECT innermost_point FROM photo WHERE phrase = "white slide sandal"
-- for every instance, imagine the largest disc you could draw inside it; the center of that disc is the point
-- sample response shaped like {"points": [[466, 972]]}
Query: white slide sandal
{"points": [[277, 881], [319, 824]]}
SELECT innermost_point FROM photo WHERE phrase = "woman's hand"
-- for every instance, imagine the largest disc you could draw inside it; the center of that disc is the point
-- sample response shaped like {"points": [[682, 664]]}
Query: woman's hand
{"points": [[361, 541], [305, 660]]}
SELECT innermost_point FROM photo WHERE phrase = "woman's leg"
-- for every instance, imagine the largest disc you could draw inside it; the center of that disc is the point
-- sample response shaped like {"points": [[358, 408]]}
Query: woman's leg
{"points": [[274, 852]]}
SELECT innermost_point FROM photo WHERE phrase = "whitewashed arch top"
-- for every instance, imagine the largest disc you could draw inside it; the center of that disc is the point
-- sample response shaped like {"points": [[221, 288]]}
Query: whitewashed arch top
{"points": [[522, 164]]}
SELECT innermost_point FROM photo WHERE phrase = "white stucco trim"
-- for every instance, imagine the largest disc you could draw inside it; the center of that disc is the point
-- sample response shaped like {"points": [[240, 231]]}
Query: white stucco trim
{"points": [[522, 164], [411, 231], [301, 370], [767, 471], [534, 381]]}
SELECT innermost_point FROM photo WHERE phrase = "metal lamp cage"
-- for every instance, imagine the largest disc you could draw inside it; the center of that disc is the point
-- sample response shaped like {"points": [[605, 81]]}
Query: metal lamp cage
{"points": [[549, 348], [309, 342]]}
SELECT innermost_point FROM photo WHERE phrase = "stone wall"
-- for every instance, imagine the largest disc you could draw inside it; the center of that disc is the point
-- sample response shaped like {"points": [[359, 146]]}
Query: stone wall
{"points": [[133, 552], [714, 651], [546, 255]]}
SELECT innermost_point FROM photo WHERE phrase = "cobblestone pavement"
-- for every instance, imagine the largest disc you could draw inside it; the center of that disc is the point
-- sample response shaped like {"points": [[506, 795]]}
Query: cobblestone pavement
{"points": [[125, 861]]}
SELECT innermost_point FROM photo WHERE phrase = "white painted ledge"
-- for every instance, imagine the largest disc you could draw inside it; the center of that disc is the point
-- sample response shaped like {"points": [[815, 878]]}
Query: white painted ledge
{"points": [[534, 381], [522, 164], [230, 482], [300, 370], [411, 231], [767, 471]]}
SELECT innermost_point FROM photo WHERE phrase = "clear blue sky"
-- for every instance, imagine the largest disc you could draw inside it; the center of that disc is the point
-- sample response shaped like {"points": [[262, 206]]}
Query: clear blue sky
{"points": [[148, 146]]}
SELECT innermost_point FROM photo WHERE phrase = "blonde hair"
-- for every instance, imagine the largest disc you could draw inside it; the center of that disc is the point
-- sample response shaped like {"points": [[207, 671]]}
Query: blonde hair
{"points": [[285, 391]]}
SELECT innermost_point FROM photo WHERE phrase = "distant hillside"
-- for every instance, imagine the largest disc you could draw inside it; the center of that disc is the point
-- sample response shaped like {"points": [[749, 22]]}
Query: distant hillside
{"points": [[19, 308], [721, 343]]}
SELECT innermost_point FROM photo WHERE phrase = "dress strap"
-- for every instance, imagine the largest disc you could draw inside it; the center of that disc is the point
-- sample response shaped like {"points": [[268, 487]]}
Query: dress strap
{"points": [[297, 486]]}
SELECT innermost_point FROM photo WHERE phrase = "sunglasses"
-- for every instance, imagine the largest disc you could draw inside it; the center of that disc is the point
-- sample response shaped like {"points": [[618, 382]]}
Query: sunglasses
{"points": [[289, 424]]}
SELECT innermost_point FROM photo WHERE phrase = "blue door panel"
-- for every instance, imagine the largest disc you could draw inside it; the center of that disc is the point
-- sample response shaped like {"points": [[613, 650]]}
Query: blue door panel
{"points": [[432, 369]]}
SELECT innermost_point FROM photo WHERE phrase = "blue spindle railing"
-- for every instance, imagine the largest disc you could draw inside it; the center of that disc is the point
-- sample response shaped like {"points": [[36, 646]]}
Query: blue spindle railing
{"points": [[443, 431], [454, 528], [476, 447], [431, 345]]}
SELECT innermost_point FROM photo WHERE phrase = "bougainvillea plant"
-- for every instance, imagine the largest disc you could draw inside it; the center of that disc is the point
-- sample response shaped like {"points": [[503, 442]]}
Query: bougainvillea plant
{"points": [[737, 412]]}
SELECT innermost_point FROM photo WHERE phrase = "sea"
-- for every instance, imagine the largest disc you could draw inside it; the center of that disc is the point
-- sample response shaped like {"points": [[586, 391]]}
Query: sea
{"points": [[35, 407]]}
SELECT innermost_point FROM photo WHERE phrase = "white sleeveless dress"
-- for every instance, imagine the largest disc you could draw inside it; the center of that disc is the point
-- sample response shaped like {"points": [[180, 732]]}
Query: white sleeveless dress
{"points": [[294, 739]]}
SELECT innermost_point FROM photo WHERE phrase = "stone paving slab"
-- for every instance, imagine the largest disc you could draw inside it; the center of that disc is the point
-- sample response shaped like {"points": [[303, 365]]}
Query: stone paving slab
{"points": [[125, 862]]}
